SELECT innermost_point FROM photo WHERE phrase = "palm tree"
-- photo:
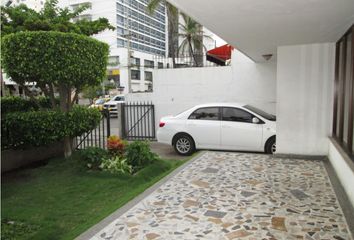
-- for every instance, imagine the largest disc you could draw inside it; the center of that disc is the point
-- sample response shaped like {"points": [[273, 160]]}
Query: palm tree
{"points": [[192, 43], [172, 15]]}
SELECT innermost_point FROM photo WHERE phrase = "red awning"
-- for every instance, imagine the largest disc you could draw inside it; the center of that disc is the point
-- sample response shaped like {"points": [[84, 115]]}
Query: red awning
{"points": [[220, 55]]}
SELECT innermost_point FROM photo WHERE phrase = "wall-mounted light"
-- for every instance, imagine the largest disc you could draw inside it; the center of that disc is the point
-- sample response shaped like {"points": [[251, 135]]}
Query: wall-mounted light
{"points": [[267, 56]]}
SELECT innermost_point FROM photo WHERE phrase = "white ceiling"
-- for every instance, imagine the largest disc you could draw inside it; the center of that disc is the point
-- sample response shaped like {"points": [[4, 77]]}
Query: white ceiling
{"points": [[257, 27]]}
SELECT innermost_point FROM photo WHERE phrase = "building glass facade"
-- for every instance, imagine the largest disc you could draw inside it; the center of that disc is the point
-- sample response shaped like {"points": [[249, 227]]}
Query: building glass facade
{"points": [[146, 32]]}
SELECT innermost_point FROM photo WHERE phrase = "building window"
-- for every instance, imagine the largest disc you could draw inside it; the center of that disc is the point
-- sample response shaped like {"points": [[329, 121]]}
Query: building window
{"points": [[121, 43], [343, 107], [159, 65], [135, 61], [113, 60], [148, 64], [148, 76], [135, 74], [120, 31]]}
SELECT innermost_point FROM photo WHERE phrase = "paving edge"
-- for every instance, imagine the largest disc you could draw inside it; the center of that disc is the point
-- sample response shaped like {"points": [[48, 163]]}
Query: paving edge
{"points": [[91, 232], [342, 197]]}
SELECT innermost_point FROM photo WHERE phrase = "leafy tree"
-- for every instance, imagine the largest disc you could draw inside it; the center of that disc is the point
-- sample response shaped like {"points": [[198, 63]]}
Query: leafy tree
{"points": [[172, 15], [192, 34], [92, 92], [65, 61], [50, 18]]}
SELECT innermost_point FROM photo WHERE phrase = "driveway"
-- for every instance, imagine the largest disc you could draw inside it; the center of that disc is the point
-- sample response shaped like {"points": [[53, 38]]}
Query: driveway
{"points": [[222, 195]]}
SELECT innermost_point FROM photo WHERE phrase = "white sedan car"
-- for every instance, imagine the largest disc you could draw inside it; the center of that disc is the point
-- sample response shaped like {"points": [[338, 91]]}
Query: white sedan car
{"points": [[219, 126], [111, 105]]}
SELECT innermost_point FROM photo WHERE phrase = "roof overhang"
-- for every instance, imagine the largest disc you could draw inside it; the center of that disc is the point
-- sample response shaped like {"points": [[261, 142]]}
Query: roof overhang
{"points": [[258, 27]]}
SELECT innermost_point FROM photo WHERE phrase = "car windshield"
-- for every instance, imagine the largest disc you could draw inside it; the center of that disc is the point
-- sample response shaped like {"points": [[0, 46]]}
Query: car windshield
{"points": [[261, 113], [100, 101], [119, 99]]}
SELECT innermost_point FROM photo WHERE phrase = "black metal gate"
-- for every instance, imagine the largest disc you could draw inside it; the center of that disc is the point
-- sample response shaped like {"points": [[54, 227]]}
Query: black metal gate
{"points": [[96, 137], [138, 121]]}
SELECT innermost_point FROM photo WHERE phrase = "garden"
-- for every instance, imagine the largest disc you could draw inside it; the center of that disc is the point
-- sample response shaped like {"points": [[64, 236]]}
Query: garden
{"points": [[61, 197], [65, 196]]}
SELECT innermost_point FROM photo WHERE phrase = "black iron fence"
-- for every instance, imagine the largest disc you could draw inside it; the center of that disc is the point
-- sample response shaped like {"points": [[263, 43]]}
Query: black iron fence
{"points": [[185, 61], [138, 121], [96, 137]]}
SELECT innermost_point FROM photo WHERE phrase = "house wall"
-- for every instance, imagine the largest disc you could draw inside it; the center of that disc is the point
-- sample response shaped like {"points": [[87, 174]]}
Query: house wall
{"points": [[344, 168], [305, 76], [175, 90]]}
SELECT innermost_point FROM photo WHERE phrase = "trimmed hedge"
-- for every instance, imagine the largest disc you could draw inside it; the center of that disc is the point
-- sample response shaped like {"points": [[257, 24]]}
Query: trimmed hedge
{"points": [[63, 59], [38, 128], [18, 104]]}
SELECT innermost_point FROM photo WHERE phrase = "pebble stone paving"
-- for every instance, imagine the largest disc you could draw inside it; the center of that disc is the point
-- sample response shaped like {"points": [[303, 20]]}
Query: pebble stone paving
{"points": [[225, 195]]}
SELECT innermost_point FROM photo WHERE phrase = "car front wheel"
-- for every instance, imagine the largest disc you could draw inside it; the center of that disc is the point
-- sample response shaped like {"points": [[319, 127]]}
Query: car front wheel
{"points": [[270, 147], [184, 145]]}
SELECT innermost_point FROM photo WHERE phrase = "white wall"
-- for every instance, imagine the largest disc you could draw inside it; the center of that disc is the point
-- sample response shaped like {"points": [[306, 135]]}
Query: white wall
{"points": [[343, 170], [175, 90], [305, 76]]}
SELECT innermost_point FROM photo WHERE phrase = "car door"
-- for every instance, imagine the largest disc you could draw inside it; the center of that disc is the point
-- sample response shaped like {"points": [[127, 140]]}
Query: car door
{"points": [[204, 126], [237, 130]]}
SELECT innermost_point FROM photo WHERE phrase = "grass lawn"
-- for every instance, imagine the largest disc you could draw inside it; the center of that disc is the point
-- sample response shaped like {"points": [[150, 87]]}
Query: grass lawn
{"points": [[61, 199]]}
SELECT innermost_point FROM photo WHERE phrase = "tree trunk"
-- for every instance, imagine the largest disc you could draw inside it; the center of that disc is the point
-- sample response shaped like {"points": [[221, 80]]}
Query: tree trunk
{"points": [[172, 34], [65, 106], [198, 51], [51, 95], [67, 147], [191, 52]]}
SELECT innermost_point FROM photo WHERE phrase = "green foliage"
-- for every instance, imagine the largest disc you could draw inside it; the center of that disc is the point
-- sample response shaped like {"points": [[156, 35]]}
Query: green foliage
{"points": [[116, 164], [64, 59], [92, 92], [18, 104], [64, 201], [50, 18], [37, 128], [93, 156], [192, 38], [139, 155]]}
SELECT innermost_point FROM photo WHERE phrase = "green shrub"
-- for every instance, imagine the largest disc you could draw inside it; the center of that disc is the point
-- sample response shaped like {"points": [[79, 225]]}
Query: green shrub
{"points": [[38, 128], [18, 104], [139, 155], [116, 165], [63, 59], [93, 157]]}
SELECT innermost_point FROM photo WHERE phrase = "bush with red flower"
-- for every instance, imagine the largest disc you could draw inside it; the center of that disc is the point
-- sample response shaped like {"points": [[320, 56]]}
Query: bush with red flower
{"points": [[116, 146]]}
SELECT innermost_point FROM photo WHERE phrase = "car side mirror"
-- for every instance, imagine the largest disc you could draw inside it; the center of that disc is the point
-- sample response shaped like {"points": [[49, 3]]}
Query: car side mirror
{"points": [[255, 120]]}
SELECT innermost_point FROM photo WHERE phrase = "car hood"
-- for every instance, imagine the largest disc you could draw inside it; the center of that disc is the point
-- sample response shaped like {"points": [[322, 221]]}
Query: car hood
{"points": [[113, 102]]}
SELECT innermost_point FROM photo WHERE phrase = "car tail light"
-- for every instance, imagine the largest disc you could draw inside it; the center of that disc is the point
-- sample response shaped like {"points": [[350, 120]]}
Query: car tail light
{"points": [[162, 124]]}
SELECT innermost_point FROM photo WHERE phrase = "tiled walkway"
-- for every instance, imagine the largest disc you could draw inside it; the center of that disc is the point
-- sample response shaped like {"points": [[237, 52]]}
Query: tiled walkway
{"points": [[237, 196]]}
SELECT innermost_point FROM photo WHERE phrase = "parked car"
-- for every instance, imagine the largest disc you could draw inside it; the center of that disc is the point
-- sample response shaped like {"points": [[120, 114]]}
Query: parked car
{"points": [[111, 105], [221, 126], [98, 103]]}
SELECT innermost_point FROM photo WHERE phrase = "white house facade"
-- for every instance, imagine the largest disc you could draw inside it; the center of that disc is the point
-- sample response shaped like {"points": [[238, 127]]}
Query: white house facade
{"points": [[308, 47]]}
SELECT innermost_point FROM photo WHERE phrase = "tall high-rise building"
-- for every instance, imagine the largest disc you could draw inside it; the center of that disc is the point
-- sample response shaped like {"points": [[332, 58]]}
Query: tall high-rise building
{"points": [[134, 44], [34, 4], [148, 32]]}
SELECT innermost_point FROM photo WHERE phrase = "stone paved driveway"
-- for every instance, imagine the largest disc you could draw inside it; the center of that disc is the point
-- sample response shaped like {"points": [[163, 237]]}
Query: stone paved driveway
{"points": [[237, 196]]}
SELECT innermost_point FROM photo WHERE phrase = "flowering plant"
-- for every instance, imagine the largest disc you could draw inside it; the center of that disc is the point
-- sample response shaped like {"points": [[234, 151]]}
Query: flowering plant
{"points": [[116, 146]]}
